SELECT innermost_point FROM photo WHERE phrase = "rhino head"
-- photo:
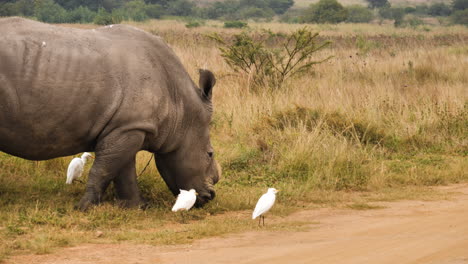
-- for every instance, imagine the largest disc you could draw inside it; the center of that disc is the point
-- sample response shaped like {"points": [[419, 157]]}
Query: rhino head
{"points": [[192, 165]]}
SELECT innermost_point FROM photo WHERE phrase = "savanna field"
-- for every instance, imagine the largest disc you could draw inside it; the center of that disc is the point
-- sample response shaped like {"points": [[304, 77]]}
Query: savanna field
{"points": [[385, 118]]}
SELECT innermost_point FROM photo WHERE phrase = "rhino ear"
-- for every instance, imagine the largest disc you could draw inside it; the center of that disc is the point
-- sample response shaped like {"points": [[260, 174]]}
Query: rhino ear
{"points": [[206, 83]]}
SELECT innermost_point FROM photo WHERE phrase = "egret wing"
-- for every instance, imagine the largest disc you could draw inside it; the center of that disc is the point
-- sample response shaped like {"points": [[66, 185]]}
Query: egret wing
{"points": [[264, 204], [185, 201], [75, 169]]}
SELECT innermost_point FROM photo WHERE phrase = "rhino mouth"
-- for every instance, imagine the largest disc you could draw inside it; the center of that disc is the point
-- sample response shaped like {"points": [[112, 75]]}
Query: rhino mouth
{"points": [[205, 196]]}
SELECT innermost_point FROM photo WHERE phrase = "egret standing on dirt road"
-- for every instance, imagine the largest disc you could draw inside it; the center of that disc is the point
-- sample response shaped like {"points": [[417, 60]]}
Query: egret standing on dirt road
{"points": [[75, 169], [264, 204], [185, 200]]}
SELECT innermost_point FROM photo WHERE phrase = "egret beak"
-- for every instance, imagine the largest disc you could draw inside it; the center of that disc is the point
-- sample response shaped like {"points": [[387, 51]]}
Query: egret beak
{"points": [[196, 193]]}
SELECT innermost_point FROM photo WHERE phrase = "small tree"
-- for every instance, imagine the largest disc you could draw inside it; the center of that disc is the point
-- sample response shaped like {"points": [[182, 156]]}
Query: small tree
{"points": [[359, 14], [459, 5], [460, 17], [81, 15], [325, 11], [135, 10], [439, 9], [378, 3], [105, 18], [280, 6], [180, 7], [271, 58], [50, 12]]}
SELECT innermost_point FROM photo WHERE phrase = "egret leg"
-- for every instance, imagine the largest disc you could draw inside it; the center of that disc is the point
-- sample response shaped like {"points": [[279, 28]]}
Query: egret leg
{"points": [[115, 154], [259, 220], [263, 220]]}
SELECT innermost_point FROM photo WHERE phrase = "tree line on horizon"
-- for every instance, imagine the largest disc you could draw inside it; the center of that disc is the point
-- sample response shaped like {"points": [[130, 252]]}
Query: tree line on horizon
{"points": [[325, 11]]}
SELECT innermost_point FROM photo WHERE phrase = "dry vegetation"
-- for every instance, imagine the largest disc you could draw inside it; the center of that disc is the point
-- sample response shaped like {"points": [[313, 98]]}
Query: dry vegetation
{"points": [[387, 116]]}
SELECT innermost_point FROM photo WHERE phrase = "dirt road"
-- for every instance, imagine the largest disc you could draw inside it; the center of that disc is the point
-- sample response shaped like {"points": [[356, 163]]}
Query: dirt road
{"points": [[403, 232]]}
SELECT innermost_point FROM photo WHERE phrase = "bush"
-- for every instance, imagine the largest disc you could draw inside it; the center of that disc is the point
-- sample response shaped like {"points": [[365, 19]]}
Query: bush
{"points": [[235, 24], [81, 15], [395, 13], [193, 24], [421, 9], [439, 9], [134, 10], [280, 6], [180, 8], [460, 17], [325, 11], [413, 21], [409, 10], [459, 5], [154, 10], [105, 18], [256, 12], [359, 14], [221, 9], [378, 3], [270, 65], [50, 12], [24, 7]]}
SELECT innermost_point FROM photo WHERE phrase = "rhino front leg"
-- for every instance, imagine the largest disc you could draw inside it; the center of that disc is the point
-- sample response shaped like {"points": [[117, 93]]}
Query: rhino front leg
{"points": [[115, 156]]}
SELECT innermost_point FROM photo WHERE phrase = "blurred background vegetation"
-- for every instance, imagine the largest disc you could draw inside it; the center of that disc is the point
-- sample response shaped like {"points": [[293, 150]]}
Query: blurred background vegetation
{"points": [[104, 12]]}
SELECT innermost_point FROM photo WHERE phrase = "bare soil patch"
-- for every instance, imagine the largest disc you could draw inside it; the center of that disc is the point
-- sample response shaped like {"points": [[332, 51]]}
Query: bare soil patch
{"points": [[400, 232]]}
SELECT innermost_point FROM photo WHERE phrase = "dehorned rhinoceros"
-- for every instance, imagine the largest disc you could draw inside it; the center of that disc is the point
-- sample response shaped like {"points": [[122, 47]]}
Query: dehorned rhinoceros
{"points": [[115, 90]]}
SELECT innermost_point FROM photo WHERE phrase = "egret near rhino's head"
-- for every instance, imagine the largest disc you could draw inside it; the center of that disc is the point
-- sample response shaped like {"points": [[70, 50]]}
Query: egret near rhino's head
{"points": [[192, 165]]}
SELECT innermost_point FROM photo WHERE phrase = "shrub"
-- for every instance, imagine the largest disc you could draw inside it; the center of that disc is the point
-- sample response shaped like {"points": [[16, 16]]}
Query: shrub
{"points": [[280, 6], [256, 12], [460, 17], [325, 11], [439, 9], [154, 10], [24, 7], [180, 8], [409, 10], [235, 24], [459, 5], [271, 64], [134, 10], [81, 15], [413, 21], [421, 9], [359, 14], [193, 24], [221, 9], [378, 3], [105, 18], [395, 13], [50, 12]]}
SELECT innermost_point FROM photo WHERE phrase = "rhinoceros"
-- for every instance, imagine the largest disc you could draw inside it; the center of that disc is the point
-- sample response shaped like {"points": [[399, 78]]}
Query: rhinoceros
{"points": [[114, 91]]}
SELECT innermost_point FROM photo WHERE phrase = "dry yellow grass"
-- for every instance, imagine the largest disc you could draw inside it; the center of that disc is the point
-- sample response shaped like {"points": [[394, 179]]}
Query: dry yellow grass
{"points": [[387, 115]]}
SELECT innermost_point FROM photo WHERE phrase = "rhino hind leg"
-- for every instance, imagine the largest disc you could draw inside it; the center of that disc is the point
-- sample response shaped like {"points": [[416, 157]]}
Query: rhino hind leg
{"points": [[127, 188], [115, 160]]}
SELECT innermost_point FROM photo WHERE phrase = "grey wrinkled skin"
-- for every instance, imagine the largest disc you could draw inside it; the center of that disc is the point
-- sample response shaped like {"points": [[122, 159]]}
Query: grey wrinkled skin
{"points": [[113, 91]]}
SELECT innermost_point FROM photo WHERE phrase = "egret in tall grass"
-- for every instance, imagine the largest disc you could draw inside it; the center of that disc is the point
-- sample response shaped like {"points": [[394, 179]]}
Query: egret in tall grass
{"points": [[76, 166], [185, 200], [264, 204]]}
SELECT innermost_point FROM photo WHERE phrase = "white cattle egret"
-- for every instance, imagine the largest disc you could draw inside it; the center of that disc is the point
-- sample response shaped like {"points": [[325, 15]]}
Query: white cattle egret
{"points": [[185, 200], [264, 204], [75, 168]]}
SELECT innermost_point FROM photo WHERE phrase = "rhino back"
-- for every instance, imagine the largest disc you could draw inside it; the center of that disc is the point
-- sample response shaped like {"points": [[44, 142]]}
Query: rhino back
{"points": [[62, 88]]}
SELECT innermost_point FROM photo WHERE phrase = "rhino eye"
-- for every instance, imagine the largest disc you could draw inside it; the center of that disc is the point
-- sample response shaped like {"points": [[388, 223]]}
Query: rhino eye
{"points": [[210, 154]]}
